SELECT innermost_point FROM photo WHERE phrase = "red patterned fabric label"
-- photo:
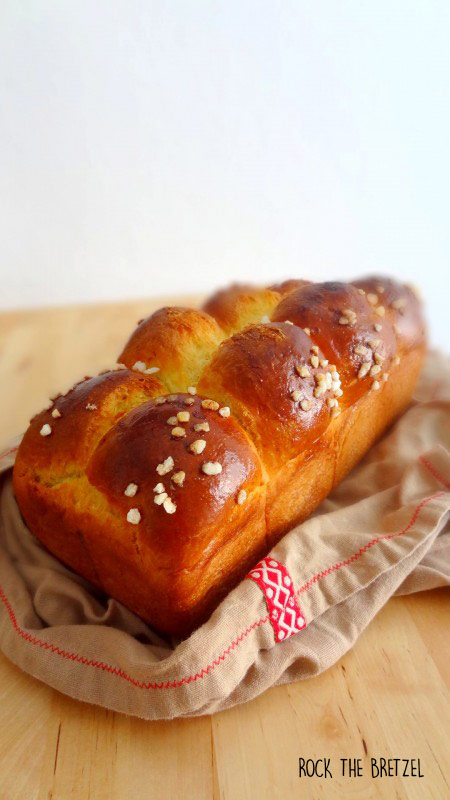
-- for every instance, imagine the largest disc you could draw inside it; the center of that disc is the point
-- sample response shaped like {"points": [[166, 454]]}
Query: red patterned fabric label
{"points": [[277, 586]]}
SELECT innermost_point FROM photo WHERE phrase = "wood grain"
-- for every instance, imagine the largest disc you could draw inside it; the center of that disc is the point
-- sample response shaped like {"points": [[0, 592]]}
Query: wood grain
{"points": [[387, 697]]}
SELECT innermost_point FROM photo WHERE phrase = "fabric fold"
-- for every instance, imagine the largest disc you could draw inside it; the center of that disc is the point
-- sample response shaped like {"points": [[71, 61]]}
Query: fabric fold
{"points": [[384, 531]]}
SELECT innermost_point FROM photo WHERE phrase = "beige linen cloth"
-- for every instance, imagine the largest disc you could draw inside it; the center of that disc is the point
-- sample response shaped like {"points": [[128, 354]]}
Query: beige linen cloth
{"points": [[384, 531]]}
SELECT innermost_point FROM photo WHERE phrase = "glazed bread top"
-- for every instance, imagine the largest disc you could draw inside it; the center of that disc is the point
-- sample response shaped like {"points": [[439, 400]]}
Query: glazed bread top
{"points": [[211, 403], [141, 450]]}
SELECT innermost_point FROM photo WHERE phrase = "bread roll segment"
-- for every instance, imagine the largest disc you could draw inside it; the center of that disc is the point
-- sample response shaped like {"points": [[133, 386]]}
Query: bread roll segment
{"points": [[269, 375], [164, 482], [177, 342]]}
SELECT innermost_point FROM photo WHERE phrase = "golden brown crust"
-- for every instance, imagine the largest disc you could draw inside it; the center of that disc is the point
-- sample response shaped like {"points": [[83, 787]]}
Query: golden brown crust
{"points": [[297, 489], [289, 406], [341, 322], [177, 342], [286, 287], [402, 308], [86, 412], [131, 453], [50, 470], [241, 305], [257, 373]]}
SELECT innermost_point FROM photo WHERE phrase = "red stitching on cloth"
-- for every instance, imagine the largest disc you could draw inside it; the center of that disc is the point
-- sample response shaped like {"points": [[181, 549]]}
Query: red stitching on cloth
{"points": [[386, 537], [120, 672], [277, 587], [434, 471], [235, 643]]}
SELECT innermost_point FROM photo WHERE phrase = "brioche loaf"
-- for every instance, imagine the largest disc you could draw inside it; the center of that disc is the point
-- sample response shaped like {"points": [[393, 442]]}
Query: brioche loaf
{"points": [[164, 481]]}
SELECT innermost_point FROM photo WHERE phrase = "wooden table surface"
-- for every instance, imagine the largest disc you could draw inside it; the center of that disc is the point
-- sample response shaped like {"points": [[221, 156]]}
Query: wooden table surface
{"points": [[388, 697]]}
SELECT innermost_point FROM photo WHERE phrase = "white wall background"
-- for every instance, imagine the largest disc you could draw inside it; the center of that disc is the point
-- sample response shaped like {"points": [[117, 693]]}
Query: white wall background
{"points": [[150, 147]]}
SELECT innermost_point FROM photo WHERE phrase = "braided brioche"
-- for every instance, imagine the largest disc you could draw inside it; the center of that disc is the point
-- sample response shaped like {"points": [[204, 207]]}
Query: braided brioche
{"points": [[164, 481]]}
